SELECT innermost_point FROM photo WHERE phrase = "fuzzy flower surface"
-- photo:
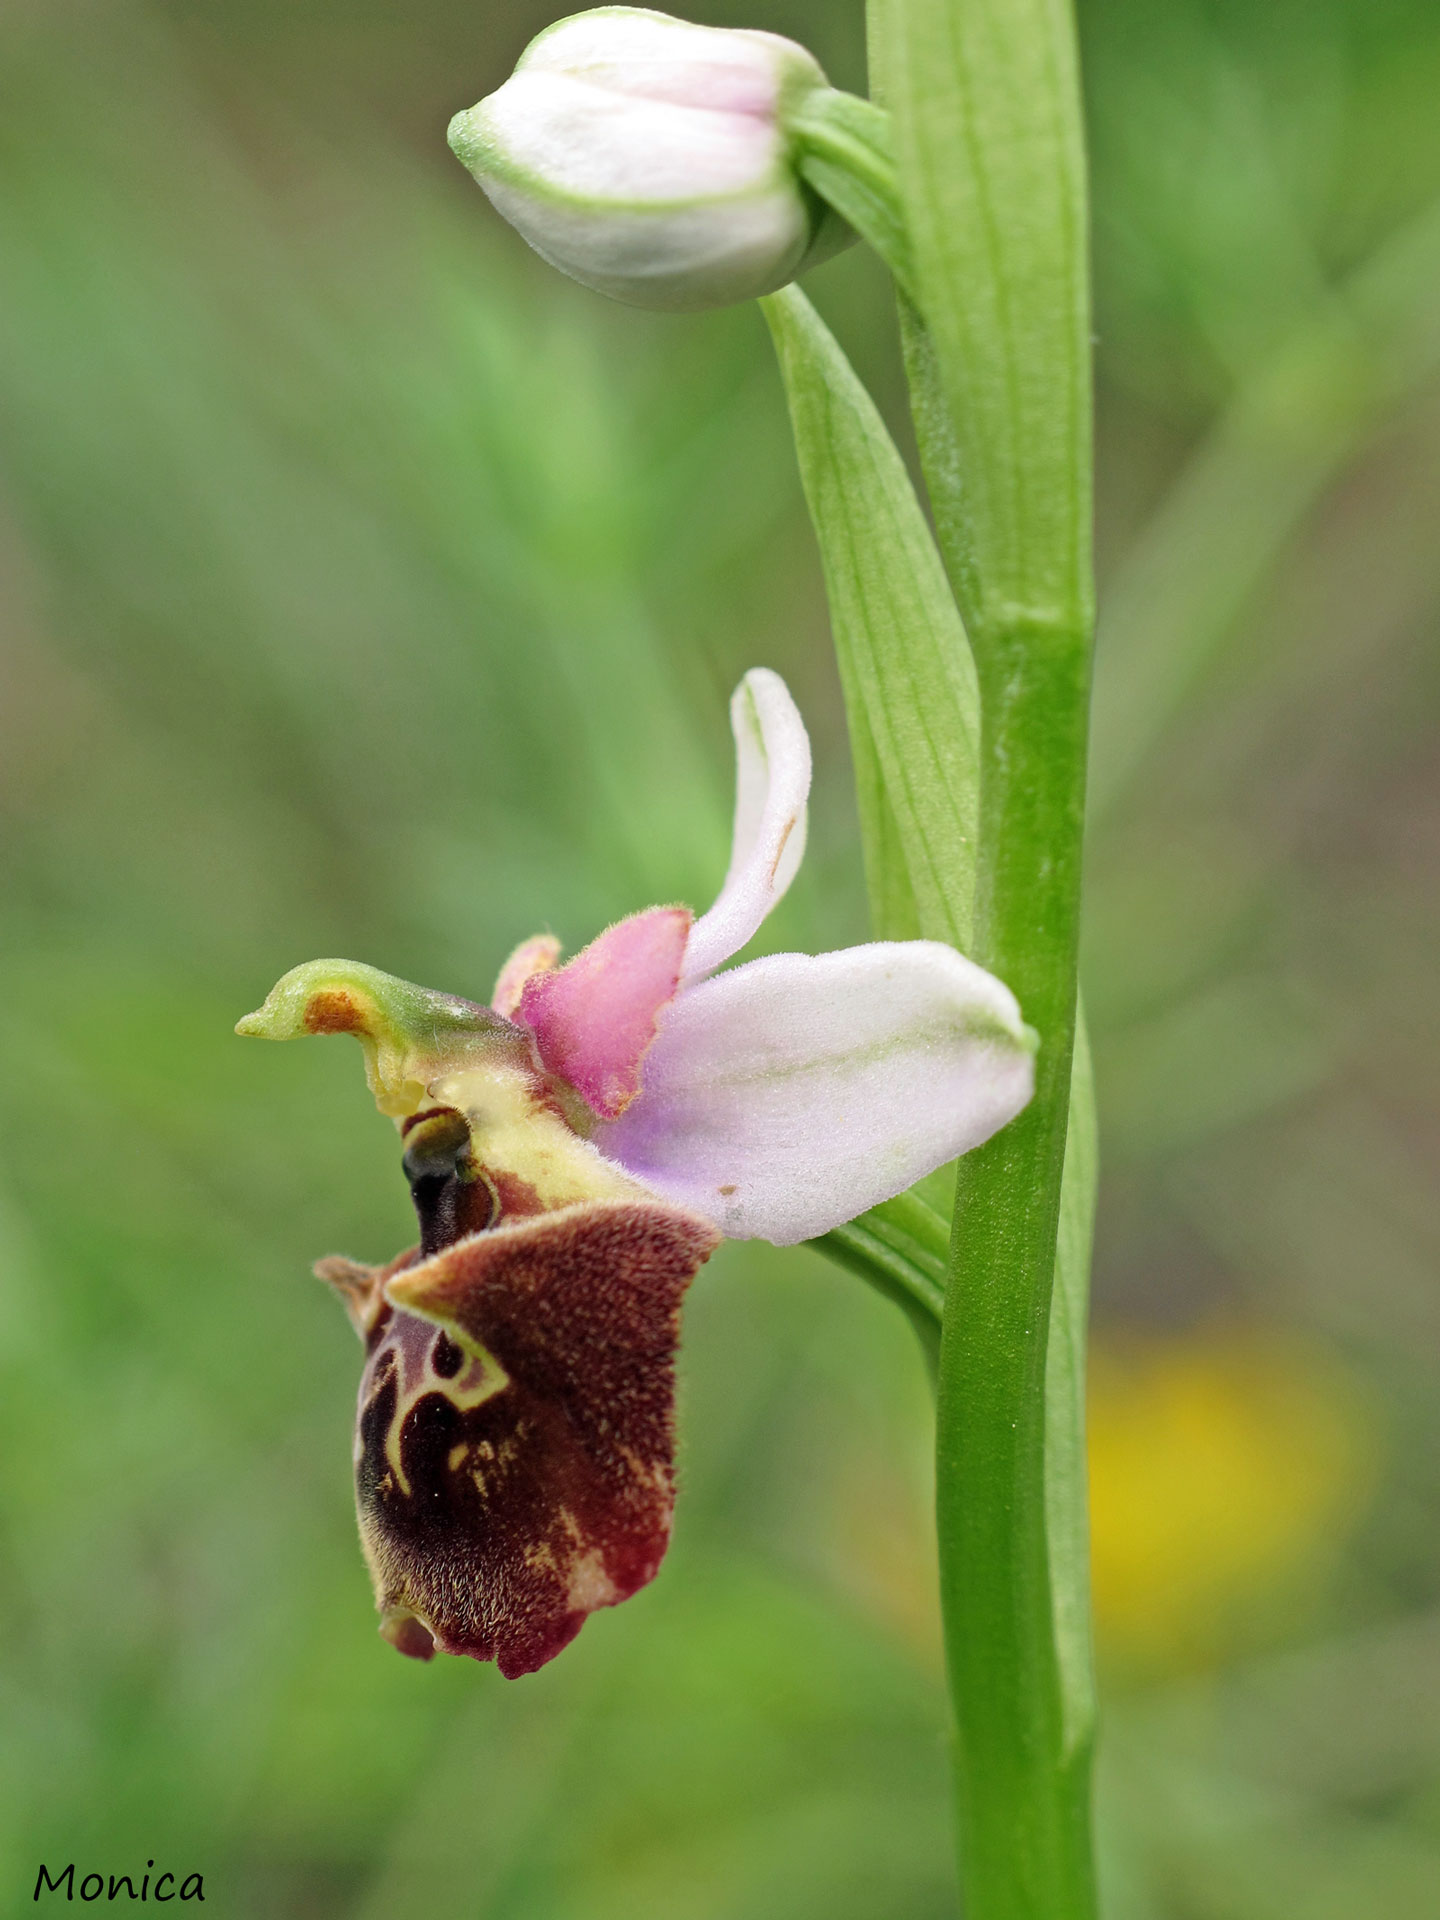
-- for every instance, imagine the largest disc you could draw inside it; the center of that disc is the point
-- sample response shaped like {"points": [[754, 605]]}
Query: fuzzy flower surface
{"points": [[648, 157], [576, 1150]]}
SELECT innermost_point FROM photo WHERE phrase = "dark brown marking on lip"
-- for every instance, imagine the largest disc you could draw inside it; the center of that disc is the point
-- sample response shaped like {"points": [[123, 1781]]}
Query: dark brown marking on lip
{"points": [[446, 1359]]}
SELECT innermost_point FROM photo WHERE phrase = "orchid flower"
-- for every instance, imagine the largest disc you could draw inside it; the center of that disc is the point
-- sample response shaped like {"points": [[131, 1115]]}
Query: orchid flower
{"points": [[576, 1150]]}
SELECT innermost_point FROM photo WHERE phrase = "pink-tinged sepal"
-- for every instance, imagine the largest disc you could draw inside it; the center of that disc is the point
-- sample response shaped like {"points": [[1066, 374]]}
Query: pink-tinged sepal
{"points": [[595, 1018], [788, 1095], [515, 1440]]}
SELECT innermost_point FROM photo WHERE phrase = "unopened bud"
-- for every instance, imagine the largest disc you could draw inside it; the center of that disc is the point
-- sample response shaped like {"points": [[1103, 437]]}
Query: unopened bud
{"points": [[649, 158]]}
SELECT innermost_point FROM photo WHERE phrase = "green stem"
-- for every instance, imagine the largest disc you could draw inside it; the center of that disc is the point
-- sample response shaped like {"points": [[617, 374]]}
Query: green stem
{"points": [[1023, 1787], [986, 190], [988, 138]]}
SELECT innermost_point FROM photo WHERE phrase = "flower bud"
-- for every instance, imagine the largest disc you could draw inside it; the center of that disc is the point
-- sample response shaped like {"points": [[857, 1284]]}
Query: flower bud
{"points": [[648, 158]]}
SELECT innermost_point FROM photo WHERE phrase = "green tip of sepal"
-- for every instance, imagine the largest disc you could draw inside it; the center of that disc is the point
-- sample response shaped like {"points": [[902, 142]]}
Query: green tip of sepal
{"points": [[462, 138], [409, 1034]]}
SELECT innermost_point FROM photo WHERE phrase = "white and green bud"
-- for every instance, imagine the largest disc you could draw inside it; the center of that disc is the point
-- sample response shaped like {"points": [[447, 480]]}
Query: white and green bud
{"points": [[650, 158]]}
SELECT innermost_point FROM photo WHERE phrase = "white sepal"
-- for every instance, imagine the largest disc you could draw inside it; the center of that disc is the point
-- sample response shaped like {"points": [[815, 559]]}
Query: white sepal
{"points": [[786, 1096]]}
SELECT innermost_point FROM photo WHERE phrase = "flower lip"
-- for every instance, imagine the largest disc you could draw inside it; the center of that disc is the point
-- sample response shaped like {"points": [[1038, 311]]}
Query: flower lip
{"points": [[516, 1425]]}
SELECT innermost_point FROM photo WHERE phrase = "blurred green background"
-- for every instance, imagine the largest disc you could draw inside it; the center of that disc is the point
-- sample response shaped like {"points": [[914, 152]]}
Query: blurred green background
{"points": [[368, 589]]}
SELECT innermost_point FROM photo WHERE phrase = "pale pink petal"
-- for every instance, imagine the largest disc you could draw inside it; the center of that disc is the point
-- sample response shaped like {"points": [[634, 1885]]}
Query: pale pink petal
{"points": [[594, 1018], [772, 784], [538, 954], [790, 1094]]}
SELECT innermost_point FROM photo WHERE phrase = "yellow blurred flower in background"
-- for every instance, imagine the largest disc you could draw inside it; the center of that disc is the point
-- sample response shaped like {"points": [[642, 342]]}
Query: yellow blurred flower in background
{"points": [[1227, 1467]]}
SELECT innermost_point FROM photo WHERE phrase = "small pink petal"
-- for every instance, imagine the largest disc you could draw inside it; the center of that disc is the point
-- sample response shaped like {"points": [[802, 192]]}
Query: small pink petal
{"points": [[538, 954], [594, 1018]]}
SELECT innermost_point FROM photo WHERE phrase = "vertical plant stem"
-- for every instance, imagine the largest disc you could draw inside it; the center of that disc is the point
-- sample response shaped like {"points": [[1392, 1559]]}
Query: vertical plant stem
{"points": [[990, 159], [1022, 1785]]}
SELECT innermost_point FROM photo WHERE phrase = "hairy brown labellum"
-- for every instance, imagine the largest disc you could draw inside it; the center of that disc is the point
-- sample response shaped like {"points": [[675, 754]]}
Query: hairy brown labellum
{"points": [[515, 1440]]}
